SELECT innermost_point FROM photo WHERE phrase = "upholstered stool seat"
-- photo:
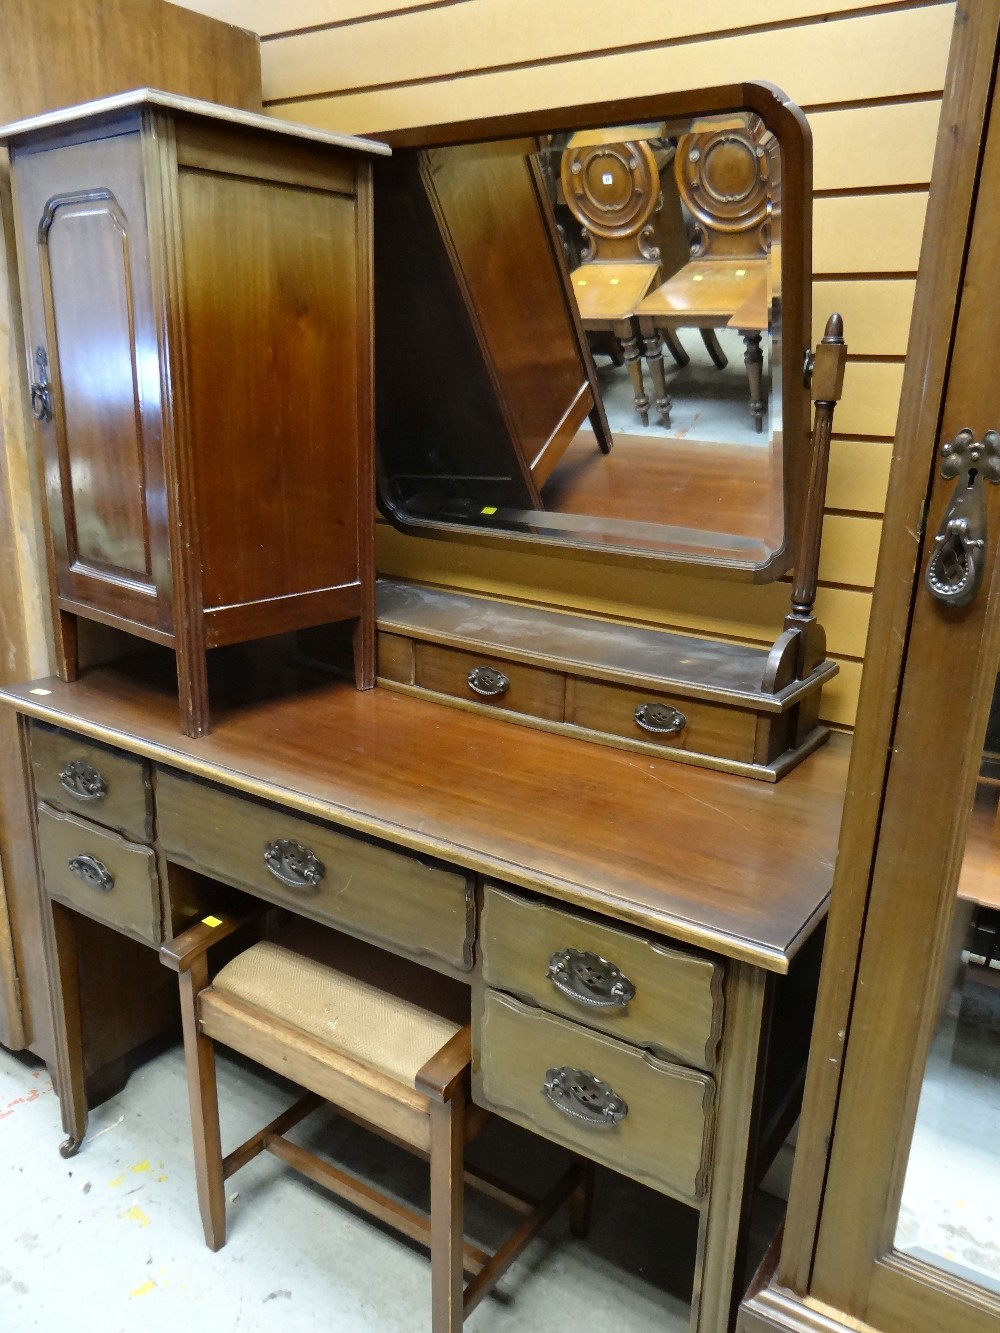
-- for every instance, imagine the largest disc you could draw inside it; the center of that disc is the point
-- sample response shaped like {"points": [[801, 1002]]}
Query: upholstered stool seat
{"points": [[386, 1043]]}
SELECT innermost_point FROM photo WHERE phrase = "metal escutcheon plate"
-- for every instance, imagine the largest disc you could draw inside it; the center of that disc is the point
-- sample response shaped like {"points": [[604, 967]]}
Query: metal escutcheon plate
{"points": [[82, 781], [584, 1097], [590, 979], [488, 682], [660, 719], [294, 865], [95, 874]]}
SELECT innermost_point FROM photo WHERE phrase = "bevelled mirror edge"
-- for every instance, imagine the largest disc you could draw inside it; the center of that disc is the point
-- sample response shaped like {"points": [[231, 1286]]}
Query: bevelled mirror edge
{"points": [[789, 126]]}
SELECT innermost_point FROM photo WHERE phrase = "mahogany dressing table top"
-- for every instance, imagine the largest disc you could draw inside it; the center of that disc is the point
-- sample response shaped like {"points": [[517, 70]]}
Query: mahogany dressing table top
{"points": [[740, 867]]}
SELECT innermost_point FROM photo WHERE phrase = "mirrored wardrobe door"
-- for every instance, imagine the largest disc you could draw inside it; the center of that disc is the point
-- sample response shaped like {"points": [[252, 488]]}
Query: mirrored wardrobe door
{"points": [[909, 1224]]}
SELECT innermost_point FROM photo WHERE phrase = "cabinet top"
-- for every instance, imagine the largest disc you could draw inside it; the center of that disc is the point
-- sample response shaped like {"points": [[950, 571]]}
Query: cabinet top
{"points": [[140, 98], [740, 867]]}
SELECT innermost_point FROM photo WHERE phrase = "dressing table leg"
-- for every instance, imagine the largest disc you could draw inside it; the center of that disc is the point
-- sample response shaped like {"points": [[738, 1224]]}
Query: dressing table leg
{"points": [[69, 1063], [580, 1202], [722, 1232], [754, 361]]}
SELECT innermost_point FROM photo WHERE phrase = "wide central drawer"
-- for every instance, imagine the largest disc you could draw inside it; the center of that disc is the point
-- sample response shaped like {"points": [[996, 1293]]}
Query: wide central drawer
{"points": [[615, 1104], [622, 982], [418, 906]]}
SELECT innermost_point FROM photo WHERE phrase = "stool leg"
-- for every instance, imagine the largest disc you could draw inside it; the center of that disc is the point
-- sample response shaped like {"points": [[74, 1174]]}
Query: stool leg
{"points": [[447, 1210], [199, 1059]]}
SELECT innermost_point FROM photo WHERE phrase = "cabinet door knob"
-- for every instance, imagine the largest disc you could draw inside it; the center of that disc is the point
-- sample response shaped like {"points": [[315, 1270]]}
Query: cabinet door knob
{"points": [[95, 874], [660, 719], [294, 865], [488, 681], [583, 1097], [590, 979], [82, 781]]}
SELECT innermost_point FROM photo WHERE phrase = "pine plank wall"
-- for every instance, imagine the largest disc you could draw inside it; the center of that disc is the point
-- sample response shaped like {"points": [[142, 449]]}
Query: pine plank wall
{"points": [[870, 78]]}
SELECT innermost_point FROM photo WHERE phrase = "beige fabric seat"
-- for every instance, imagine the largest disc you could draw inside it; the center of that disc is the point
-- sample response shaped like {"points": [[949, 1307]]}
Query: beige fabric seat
{"points": [[383, 1040]]}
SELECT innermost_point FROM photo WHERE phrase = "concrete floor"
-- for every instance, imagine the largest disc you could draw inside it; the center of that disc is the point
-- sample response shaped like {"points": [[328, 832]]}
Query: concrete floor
{"points": [[110, 1241]]}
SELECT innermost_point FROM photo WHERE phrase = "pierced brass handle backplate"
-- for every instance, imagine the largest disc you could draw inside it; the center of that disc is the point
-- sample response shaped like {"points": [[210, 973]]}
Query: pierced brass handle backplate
{"points": [[95, 874], [583, 1097], [82, 781], [488, 682], [590, 980], [293, 865], [660, 719], [958, 557]]}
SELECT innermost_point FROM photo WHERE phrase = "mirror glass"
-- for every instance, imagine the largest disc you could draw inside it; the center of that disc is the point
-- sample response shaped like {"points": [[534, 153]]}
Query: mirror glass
{"points": [[948, 1213], [580, 339]]}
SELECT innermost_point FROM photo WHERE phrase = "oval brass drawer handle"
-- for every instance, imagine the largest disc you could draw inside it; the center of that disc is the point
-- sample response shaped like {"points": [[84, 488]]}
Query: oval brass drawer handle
{"points": [[583, 1097], [590, 979], [294, 865], [82, 781], [660, 719], [95, 874], [488, 682]]}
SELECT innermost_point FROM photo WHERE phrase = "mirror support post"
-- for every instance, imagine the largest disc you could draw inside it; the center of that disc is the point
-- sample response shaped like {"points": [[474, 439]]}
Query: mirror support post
{"points": [[802, 645]]}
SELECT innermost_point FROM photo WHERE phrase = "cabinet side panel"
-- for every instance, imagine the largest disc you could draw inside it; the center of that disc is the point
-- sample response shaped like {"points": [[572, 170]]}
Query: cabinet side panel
{"points": [[271, 329]]}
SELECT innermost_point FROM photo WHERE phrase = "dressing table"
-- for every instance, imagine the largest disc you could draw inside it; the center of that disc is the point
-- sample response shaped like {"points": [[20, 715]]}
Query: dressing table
{"points": [[639, 935], [479, 849]]}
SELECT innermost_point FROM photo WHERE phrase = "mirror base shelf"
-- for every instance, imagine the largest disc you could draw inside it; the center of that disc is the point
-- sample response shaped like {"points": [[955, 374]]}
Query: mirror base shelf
{"points": [[699, 701]]}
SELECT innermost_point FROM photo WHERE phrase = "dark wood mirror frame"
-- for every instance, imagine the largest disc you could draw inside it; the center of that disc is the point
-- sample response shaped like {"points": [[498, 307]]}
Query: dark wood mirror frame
{"points": [[789, 125]]}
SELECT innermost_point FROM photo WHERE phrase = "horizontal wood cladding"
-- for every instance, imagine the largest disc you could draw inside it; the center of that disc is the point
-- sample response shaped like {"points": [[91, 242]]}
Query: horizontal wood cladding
{"points": [[870, 77], [416, 69]]}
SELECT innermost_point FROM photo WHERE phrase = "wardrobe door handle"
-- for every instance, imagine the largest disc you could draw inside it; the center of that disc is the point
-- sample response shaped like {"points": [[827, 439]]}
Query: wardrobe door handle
{"points": [[958, 556]]}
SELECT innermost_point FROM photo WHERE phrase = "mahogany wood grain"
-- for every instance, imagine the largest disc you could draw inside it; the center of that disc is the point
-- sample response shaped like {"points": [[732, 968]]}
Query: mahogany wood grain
{"points": [[71, 54], [742, 868], [209, 480]]}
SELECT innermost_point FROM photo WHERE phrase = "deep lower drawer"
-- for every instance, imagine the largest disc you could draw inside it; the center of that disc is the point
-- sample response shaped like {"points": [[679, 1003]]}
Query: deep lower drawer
{"points": [[92, 780], [419, 907], [100, 874], [624, 984], [661, 719], [483, 679], [610, 1101]]}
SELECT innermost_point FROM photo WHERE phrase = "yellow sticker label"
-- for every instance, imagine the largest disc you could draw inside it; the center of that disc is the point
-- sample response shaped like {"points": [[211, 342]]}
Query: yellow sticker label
{"points": [[211, 921], [489, 509]]}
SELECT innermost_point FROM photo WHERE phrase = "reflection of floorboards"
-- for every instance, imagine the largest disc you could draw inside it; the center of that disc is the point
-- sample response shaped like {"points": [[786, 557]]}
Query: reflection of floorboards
{"points": [[717, 487]]}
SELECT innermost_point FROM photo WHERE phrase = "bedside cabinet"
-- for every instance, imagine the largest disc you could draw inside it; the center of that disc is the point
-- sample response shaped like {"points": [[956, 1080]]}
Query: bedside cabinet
{"points": [[196, 285]]}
